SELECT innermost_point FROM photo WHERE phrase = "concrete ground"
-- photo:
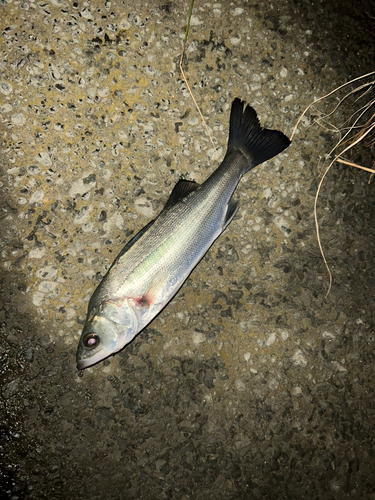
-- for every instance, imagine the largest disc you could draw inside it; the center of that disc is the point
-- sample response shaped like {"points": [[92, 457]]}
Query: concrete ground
{"points": [[250, 384]]}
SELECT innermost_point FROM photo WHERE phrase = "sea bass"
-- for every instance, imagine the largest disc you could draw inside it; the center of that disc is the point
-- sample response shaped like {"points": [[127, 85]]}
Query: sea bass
{"points": [[154, 264]]}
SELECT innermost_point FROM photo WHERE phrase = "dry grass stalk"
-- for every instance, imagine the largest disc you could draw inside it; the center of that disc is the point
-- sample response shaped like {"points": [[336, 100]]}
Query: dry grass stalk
{"points": [[185, 79], [347, 142]]}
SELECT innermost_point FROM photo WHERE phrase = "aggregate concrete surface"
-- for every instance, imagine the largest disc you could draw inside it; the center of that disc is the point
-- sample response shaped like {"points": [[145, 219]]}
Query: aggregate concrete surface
{"points": [[250, 384]]}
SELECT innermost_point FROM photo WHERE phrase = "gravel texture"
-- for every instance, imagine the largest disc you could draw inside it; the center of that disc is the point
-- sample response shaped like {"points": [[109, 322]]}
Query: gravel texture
{"points": [[250, 384]]}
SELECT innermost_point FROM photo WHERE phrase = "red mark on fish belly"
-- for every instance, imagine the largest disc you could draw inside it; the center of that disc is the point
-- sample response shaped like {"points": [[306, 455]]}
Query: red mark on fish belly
{"points": [[141, 301]]}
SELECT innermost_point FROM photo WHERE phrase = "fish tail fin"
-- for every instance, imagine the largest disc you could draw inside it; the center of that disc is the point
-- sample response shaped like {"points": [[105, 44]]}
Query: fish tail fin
{"points": [[246, 134]]}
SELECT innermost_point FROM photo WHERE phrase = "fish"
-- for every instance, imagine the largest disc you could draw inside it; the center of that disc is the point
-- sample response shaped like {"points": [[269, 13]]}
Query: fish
{"points": [[154, 264]]}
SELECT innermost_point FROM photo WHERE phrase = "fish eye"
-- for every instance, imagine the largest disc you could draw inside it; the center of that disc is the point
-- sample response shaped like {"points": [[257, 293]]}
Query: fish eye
{"points": [[91, 340]]}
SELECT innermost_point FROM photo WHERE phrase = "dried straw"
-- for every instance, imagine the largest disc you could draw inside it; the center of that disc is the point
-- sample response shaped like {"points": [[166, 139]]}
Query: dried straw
{"points": [[347, 142]]}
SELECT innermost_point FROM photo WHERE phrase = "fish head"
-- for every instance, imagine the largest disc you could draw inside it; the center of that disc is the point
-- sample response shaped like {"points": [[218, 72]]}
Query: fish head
{"points": [[108, 328]]}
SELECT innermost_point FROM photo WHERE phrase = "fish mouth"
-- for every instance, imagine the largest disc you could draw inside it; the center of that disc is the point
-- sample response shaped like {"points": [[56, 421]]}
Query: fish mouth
{"points": [[86, 361], [82, 364]]}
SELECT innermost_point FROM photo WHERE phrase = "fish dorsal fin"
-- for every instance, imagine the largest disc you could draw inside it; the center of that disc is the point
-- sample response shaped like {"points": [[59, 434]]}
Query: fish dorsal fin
{"points": [[232, 208], [131, 242], [181, 189]]}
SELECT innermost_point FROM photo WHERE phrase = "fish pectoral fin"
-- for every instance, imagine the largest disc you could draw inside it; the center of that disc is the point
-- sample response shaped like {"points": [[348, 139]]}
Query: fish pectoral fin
{"points": [[181, 189], [232, 208], [148, 298]]}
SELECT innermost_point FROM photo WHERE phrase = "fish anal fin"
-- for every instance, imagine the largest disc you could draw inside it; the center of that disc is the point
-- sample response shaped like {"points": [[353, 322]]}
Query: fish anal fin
{"points": [[232, 208]]}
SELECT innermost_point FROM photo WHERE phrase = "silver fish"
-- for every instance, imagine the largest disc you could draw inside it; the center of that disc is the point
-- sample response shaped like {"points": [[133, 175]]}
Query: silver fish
{"points": [[154, 264]]}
